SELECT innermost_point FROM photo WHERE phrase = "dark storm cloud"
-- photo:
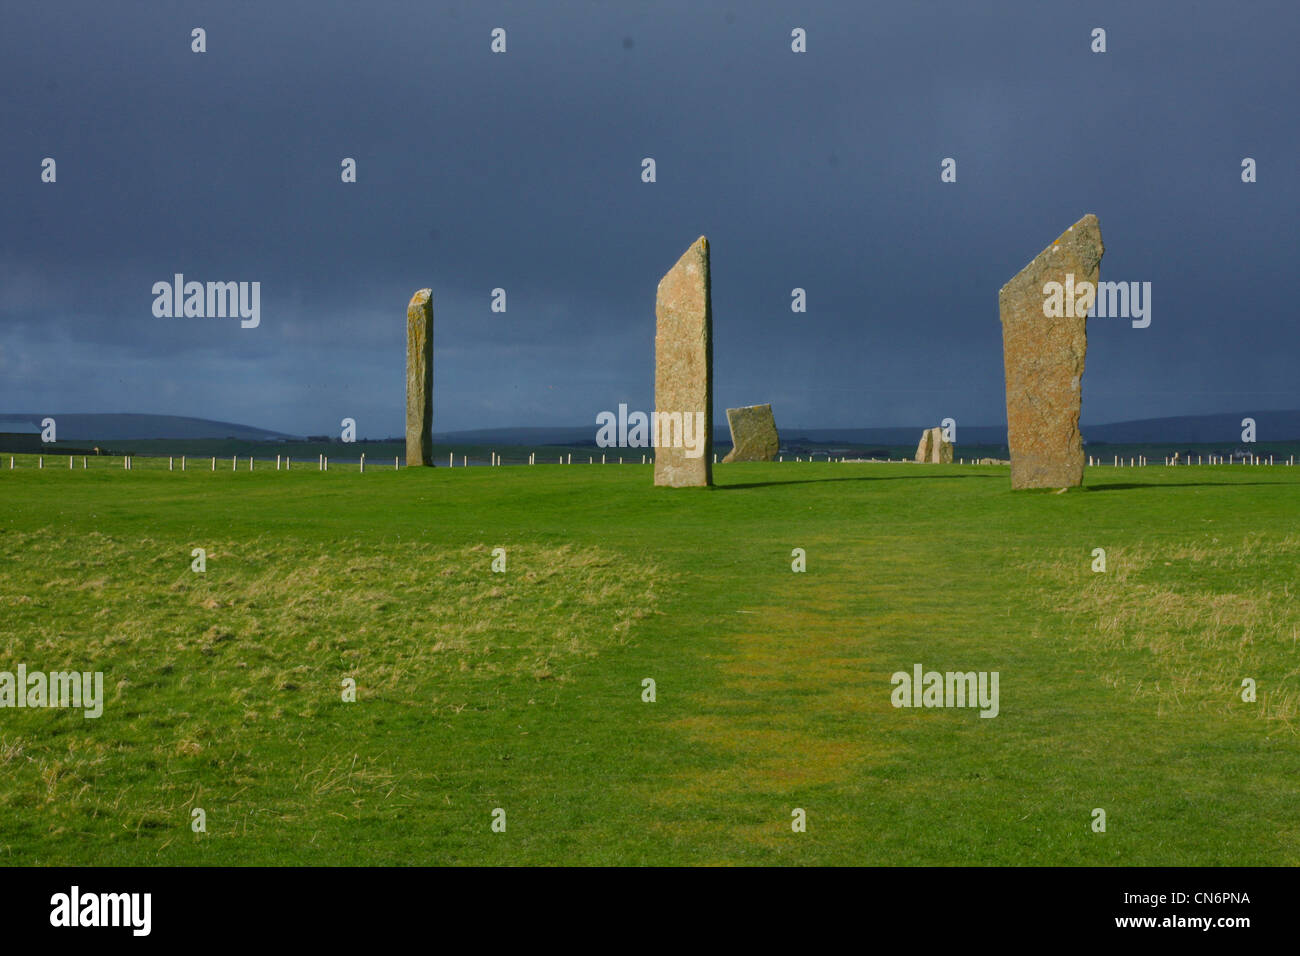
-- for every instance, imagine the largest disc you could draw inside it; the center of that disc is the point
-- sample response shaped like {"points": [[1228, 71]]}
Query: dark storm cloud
{"points": [[521, 170]]}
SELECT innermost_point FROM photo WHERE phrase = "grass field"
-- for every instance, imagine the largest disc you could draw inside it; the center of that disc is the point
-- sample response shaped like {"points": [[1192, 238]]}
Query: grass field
{"points": [[522, 690]]}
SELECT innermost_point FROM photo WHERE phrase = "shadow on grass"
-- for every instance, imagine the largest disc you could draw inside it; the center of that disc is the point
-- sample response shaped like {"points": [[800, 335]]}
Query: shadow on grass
{"points": [[1114, 486], [811, 481], [1126, 486]]}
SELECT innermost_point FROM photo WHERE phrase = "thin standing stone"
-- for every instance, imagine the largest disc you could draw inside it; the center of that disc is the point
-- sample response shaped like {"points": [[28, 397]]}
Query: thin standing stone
{"points": [[684, 369], [419, 379]]}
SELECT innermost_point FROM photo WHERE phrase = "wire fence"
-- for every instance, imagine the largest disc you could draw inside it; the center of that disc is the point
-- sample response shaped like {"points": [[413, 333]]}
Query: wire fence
{"points": [[324, 463]]}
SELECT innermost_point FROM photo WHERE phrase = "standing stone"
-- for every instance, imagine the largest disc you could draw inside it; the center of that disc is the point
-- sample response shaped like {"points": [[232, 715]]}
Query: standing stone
{"points": [[753, 434], [684, 369], [419, 379], [933, 449], [1044, 360], [924, 445]]}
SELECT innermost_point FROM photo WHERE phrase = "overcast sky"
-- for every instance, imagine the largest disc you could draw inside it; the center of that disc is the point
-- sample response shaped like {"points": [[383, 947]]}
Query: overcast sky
{"points": [[522, 171]]}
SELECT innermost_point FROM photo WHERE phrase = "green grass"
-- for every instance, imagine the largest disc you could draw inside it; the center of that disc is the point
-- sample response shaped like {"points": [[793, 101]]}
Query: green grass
{"points": [[522, 690]]}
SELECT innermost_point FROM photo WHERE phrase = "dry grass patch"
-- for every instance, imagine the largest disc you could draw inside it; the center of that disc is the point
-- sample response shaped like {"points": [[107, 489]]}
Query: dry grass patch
{"points": [[219, 675], [1206, 614]]}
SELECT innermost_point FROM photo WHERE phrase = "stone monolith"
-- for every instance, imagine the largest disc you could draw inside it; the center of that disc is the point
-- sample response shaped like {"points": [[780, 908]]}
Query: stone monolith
{"points": [[933, 449], [683, 423], [419, 379], [753, 434], [924, 446], [1043, 357]]}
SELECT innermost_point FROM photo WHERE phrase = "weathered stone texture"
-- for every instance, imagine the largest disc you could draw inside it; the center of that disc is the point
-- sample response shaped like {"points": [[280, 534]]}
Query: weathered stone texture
{"points": [[1043, 359], [943, 449], [753, 434], [419, 379], [924, 446], [933, 449], [684, 364]]}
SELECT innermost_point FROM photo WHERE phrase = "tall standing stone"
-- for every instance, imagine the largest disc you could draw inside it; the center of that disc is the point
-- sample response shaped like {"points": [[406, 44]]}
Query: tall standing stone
{"points": [[684, 369], [419, 379], [1044, 356], [753, 434]]}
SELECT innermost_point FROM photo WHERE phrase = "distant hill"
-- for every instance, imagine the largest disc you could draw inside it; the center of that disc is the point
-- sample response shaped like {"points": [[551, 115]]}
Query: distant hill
{"points": [[1178, 430], [1183, 429], [111, 427], [1198, 429], [546, 435]]}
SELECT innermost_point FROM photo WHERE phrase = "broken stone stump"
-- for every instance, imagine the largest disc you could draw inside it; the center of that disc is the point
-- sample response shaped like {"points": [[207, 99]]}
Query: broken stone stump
{"points": [[419, 379], [924, 446], [1043, 356], [753, 434], [933, 449], [683, 423]]}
